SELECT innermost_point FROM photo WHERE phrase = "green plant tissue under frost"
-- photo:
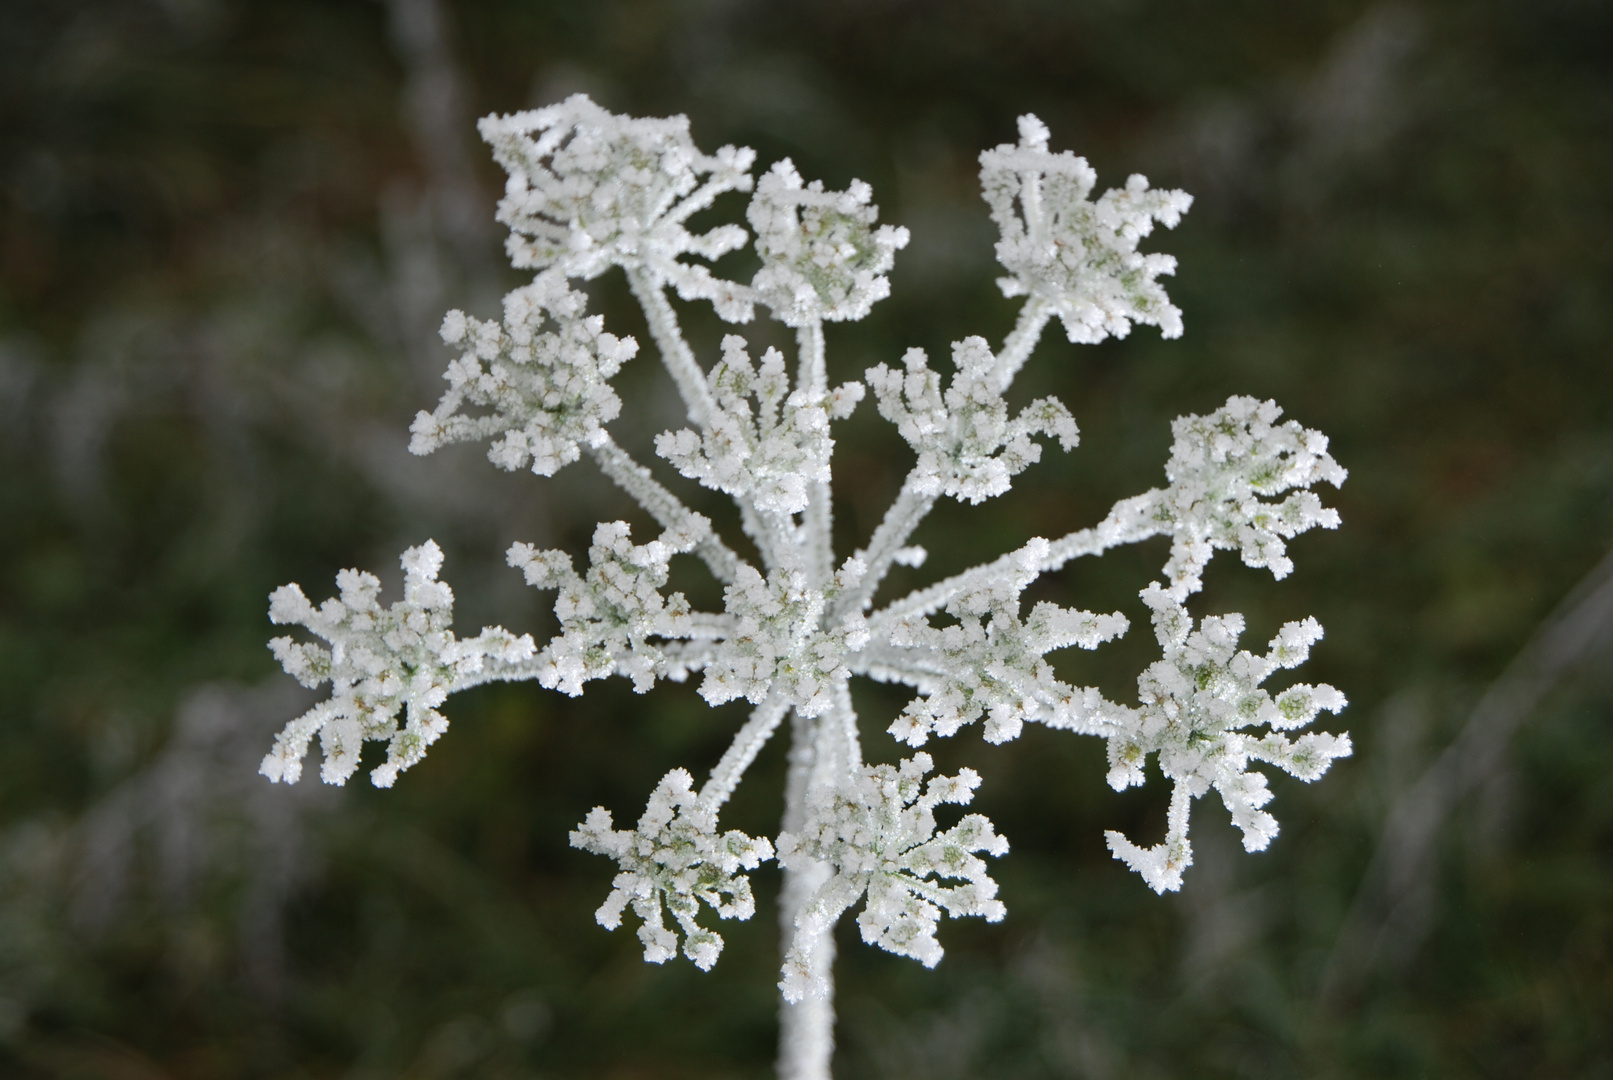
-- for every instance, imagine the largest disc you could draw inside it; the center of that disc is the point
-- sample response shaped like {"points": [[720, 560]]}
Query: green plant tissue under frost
{"points": [[589, 190]]}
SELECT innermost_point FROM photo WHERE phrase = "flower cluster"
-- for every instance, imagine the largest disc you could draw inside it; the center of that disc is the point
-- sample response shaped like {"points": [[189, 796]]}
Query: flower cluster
{"points": [[548, 390], [822, 258], [1220, 466], [772, 454], [381, 661], [608, 616], [991, 663], [776, 643], [589, 190], [877, 832], [675, 858], [1078, 257], [967, 446], [1195, 702]]}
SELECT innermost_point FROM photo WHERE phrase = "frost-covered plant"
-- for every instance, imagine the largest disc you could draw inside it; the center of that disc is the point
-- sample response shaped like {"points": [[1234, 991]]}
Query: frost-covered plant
{"points": [[588, 191]]}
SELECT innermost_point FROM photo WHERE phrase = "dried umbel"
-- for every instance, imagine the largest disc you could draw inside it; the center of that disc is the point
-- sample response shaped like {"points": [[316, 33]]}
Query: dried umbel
{"points": [[589, 191]]}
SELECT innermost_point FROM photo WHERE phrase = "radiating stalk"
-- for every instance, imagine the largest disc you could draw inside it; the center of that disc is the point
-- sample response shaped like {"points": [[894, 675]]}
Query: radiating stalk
{"points": [[1033, 316], [675, 352]]}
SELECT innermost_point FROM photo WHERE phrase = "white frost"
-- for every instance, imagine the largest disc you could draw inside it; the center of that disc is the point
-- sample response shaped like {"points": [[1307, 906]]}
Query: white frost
{"points": [[878, 834], [674, 859], [381, 661], [1077, 256], [589, 190]]}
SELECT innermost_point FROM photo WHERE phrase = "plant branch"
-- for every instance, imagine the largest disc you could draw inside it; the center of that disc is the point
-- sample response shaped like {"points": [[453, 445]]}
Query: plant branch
{"points": [[813, 377], [748, 742], [903, 516], [1125, 524], [665, 507], [1017, 347], [675, 352]]}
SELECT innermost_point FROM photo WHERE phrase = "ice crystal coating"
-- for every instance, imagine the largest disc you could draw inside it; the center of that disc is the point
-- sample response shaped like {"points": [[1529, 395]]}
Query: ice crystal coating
{"points": [[878, 834], [822, 258], [674, 860], [589, 190], [381, 661], [968, 448], [991, 663], [772, 453], [1076, 256], [776, 643], [608, 615], [1220, 466], [548, 390], [1196, 701]]}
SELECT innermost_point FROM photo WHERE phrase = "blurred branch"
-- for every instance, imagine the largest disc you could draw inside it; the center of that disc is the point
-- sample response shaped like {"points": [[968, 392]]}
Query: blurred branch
{"points": [[192, 804], [1388, 916], [436, 107]]}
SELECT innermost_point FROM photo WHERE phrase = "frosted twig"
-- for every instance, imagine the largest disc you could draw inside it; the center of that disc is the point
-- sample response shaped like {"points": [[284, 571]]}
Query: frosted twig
{"points": [[748, 742], [666, 507]]}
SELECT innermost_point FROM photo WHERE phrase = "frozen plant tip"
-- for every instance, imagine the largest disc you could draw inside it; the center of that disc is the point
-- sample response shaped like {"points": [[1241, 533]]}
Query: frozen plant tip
{"points": [[674, 858], [590, 191], [878, 835]]}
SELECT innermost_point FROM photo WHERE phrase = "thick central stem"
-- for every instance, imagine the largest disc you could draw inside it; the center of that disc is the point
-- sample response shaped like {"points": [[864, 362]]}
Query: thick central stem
{"points": [[806, 1027]]}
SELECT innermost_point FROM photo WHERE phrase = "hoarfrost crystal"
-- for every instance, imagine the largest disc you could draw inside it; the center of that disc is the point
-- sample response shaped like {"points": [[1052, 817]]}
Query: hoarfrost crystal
{"points": [[381, 661], [675, 859], [968, 448], [1194, 702], [772, 453], [877, 831], [997, 668], [608, 617], [822, 259], [1078, 257], [589, 191], [549, 391]]}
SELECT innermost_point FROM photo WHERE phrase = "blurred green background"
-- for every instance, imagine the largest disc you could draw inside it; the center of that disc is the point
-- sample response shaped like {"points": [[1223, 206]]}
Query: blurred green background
{"points": [[228, 230]]}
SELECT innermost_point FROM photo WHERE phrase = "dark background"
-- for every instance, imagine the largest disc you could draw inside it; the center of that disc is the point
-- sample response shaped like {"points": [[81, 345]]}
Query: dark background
{"points": [[228, 230]]}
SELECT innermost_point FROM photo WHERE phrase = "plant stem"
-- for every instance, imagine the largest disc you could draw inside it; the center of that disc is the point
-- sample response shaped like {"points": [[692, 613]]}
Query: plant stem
{"points": [[664, 506], [899, 522], [806, 1027], [675, 352], [742, 751], [1027, 331], [1128, 521], [813, 377]]}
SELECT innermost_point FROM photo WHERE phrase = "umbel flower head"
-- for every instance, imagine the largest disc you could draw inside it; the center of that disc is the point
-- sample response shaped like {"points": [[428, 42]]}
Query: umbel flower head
{"points": [[548, 391], [609, 616], [772, 453], [588, 191], [822, 258], [1196, 701], [381, 661], [877, 832], [1074, 255], [674, 859], [968, 448]]}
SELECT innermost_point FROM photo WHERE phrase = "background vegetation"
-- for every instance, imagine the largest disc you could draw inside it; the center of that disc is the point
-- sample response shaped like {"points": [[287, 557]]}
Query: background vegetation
{"points": [[228, 229]]}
